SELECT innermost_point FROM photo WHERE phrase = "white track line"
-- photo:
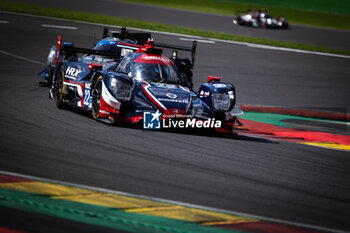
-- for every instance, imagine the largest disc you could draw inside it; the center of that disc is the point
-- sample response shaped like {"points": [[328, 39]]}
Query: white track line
{"points": [[194, 37], [2, 21], [198, 40], [295, 50], [59, 26], [290, 223], [22, 58]]}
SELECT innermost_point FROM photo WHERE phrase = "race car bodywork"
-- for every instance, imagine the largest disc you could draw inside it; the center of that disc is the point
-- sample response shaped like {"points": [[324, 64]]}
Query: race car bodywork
{"points": [[260, 19], [144, 81]]}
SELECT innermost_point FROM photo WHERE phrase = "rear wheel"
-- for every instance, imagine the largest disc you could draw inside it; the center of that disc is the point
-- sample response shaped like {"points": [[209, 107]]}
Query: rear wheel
{"points": [[285, 25], [96, 98], [58, 88]]}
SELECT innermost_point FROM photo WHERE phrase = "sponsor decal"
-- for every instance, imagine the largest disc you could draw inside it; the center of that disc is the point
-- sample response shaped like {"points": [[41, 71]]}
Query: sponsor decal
{"points": [[154, 59], [72, 73], [153, 120], [165, 86], [87, 95], [157, 58], [219, 85], [204, 94], [171, 95], [173, 100]]}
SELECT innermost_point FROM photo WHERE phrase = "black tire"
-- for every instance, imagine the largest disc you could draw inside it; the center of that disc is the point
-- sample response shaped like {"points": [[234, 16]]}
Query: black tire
{"points": [[58, 88], [240, 21], [50, 73], [96, 98]]}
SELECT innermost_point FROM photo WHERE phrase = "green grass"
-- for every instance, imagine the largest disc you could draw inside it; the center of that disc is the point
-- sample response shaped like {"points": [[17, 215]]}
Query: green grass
{"points": [[322, 13], [103, 19], [325, 6]]}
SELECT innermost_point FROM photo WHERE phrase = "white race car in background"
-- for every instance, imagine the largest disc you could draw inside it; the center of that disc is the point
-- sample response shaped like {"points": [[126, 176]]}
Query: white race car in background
{"points": [[260, 19]]}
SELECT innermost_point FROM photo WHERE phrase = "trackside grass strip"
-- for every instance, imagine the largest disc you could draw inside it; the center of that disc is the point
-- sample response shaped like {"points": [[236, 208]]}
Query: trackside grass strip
{"points": [[321, 13], [110, 20]]}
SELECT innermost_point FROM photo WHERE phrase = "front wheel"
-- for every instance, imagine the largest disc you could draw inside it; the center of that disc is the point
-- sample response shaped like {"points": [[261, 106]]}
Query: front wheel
{"points": [[96, 98]]}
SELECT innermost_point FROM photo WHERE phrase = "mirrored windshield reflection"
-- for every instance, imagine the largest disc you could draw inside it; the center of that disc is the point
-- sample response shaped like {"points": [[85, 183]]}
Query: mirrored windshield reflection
{"points": [[154, 73]]}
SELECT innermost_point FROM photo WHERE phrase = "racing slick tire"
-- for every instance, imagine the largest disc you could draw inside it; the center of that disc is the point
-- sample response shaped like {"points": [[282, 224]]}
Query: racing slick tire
{"points": [[240, 21], [96, 98], [58, 88], [285, 25]]}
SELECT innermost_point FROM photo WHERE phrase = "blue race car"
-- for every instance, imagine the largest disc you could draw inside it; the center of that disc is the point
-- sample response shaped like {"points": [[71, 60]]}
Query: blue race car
{"points": [[143, 87]]}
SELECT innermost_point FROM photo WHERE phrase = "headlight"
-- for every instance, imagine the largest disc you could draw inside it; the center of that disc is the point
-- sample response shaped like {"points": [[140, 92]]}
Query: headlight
{"points": [[113, 83], [121, 89], [231, 95], [221, 102], [269, 21]]}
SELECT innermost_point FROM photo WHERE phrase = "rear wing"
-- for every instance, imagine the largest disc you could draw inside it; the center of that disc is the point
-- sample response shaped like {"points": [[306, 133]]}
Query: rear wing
{"points": [[139, 38], [142, 38], [123, 48], [176, 47], [67, 48]]}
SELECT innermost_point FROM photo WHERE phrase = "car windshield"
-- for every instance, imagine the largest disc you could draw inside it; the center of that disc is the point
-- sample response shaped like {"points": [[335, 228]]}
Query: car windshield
{"points": [[106, 47], [126, 40], [154, 72]]}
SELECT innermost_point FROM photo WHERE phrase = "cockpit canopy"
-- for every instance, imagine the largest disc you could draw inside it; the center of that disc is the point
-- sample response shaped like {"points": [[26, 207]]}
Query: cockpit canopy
{"points": [[109, 44], [149, 67]]}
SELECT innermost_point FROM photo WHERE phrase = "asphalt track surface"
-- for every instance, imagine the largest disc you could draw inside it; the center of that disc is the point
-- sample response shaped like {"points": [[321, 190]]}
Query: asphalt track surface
{"points": [[297, 33], [274, 179]]}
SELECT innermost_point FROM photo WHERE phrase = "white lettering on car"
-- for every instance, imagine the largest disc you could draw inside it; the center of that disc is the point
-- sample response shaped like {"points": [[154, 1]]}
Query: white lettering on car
{"points": [[72, 73]]}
